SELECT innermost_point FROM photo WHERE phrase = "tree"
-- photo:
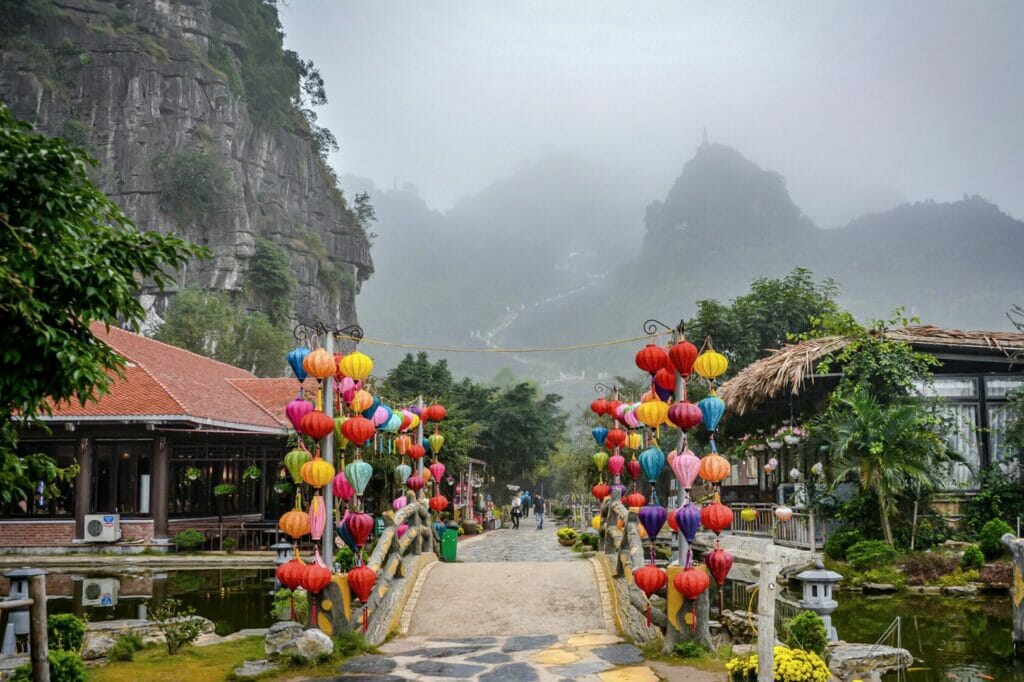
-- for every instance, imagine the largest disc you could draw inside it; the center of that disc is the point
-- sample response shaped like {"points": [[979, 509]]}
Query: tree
{"points": [[889, 447], [270, 281], [69, 257], [768, 316]]}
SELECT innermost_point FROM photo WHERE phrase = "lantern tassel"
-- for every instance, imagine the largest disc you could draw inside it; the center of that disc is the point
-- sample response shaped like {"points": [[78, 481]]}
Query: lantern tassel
{"points": [[364, 619], [648, 613], [695, 616], [314, 610]]}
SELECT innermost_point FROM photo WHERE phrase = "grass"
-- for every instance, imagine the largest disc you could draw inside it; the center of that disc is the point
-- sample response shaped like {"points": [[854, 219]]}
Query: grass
{"points": [[712, 661], [195, 664]]}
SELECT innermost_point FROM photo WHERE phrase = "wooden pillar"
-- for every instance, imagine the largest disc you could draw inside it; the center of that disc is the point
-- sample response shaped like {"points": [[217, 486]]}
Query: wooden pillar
{"points": [[83, 486], [1016, 547], [766, 621], [159, 489], [37, 626]]}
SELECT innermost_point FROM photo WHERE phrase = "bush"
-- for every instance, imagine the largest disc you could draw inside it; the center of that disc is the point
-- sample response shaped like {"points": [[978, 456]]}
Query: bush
{"points": [[841, 540], [931, 531], [346, 558], [999, 497], [192, 184], [885, 574], [688, 649], [972, 558], [590, 540], [958, 577], [65, 666], [990, 539], [870, 554], [188, 540], [928, 567], [230, 545], [65, 632], [348, 644], [176, 623], [567, 536], [996, 574], [283, 601], [791, 665], [124, 648], [806, 631]]}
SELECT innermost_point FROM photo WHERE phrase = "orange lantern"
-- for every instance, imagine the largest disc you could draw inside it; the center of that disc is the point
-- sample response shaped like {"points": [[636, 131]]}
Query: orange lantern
{"points": [[714, 467], [402, 444], [634, 500], [358, 429], [319, 364], [295, 523], [361, 401]]}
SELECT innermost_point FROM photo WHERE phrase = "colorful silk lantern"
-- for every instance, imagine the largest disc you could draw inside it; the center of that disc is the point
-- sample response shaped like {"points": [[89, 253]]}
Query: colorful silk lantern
{"points": [[615, 438], [289, 574], [435, 413], [686, 467], [415, 483], [401, 530], [339, 438], [652, 413], [317, 472], [711, 408], [633, 467], [650, 579], [685, 415], [634, 500], [426, 475], [361, 401], [295, 523], [399, 502], [439, 502], [691, 583], [631, 420], [711, 364], [296, 410], [317, 517], [380, 416], [620, 489], [362, 579], [665, 379], [600, 491], [417, 451], [343, 533], [599, 406], [615, 464], [402, 444], [599, 433], [358, 430], [651, 358], [394, 423], [682, 356], [748, 514], [295, 358], [294, 461], [672, 523], [357, 366], [652, 518], [714, 467], [688, 520], [600, 459], [436, 471], [316, 425], [634, 441], [716, 516], [341, 488], [783, 513], [319, 364], [652, 461], [719, 563], [436, 443], [402, 472], [358, 474], [359, 526]]}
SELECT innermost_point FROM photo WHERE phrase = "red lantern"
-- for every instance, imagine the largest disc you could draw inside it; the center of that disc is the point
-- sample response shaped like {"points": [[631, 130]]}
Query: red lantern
{"points": [[359, 526], [672, 523], [316, 577], [719, 562], [633, 467], [316, 424], [414, 482], [634, 500], [439, 502], [650, 579], [691, 582], [682, 356], [599, 406], [417, 451], [716, 517], [651, 358], [290, 573], [685, 415], [601, 491], [435, 413], [338, 374], [615, 438], [665, 379], [358, 429], [362, 579]]}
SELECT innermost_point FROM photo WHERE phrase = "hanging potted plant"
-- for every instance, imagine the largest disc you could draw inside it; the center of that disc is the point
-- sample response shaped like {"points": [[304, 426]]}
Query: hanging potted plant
{"points": [[791, 434], [192, 474], [251, 473]]}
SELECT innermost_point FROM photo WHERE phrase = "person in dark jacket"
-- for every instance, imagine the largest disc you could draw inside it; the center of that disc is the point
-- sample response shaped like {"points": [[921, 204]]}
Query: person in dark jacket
{"points": [[538, 511]]}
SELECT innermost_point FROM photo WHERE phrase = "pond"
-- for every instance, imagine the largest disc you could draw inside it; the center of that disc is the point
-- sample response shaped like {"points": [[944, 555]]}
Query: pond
{"points": [[951, 638]]}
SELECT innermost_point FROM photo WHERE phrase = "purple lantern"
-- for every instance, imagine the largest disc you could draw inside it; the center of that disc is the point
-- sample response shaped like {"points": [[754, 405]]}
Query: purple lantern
{"points": [[688, 520], [652, 518]]}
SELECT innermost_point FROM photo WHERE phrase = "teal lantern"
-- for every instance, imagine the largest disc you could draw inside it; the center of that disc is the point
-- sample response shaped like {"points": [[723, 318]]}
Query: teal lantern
{"points": [[358, 474]]}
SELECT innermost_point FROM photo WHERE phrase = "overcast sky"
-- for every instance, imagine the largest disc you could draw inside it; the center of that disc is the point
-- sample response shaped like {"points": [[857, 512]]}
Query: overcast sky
{"points": [[858, 104]]}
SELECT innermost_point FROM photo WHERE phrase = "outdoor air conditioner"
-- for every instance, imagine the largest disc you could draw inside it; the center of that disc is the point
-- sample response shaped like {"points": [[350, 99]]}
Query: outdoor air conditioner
{"points": [[102, 527], [99, 591]]}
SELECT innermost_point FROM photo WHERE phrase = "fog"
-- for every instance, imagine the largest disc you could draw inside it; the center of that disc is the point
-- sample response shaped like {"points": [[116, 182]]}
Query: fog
{"points": [[860, 106]]}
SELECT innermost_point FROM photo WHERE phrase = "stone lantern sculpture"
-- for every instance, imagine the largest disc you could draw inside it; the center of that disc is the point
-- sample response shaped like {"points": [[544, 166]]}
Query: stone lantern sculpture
{"points": [[817, 597]]}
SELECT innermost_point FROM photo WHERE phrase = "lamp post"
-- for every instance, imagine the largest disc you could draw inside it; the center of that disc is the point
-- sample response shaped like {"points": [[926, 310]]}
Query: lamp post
{"points": [[303, 332]]}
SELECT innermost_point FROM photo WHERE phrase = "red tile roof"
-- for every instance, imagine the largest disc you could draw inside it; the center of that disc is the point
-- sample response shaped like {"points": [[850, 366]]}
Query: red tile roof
{"points": [[273, 394], [161, 379]]}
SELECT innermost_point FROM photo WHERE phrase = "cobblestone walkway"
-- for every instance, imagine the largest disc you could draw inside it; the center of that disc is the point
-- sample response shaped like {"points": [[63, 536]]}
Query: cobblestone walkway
{"points": [[525, 544]]}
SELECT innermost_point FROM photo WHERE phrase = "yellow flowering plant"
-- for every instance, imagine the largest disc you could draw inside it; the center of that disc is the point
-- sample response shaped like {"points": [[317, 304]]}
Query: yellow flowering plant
{"points": [[790, 665]]}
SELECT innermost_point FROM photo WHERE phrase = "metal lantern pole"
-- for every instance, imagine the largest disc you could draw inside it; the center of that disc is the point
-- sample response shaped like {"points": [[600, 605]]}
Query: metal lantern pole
{"points": [[327, 452], [419, 439]]}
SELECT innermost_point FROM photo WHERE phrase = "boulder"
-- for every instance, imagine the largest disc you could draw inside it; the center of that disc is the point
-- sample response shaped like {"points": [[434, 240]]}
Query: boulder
{"points": [[738, 626], [252, 669], [878, 588], [960, 590], [96, 645], [864, 661], [281, 638], [312, 644]]}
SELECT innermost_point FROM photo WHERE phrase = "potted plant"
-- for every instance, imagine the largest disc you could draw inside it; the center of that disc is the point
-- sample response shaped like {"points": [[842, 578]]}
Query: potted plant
{"points": [[251, 473], [791, 434], [567, 537], [192, 474], [220, 492]]}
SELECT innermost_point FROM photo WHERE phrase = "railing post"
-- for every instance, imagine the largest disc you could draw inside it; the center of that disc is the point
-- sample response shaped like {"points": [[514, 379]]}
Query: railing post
{"points": [[814, 530], [37, 626]]}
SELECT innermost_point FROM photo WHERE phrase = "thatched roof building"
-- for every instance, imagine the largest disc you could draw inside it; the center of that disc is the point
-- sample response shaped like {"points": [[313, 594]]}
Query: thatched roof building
{"points": [[787, 369]]}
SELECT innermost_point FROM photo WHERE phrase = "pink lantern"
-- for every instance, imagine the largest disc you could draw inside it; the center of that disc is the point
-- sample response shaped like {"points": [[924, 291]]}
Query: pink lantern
{"points": [[347, 388], [380, 415], [341, 487], [399, 502], [630, 419], [686, 467], [400, 531], [296, 410], [436, 471], [615, 464], [620, 412], [415, 483]]}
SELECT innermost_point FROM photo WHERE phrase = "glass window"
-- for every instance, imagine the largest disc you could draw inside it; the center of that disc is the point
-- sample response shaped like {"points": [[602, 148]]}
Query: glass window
{"points": [[121, 472], [1001, 387], [948, 387], [960, 433], [38, 503]]}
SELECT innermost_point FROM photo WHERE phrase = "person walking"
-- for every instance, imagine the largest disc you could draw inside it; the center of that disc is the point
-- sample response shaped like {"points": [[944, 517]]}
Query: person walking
{"points": [[517, 511], [538, 511], [527, 501]]}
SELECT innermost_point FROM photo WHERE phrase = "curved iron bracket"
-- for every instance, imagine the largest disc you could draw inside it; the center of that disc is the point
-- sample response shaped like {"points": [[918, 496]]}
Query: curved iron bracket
{"points": [[651, 327], [603, 388]]}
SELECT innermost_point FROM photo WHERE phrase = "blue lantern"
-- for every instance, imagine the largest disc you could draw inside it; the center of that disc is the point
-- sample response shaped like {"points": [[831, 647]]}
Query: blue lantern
{"points": [[712, 408], [426, 446], [295, 358], [599, 433], [652, 461], [368, 412]]}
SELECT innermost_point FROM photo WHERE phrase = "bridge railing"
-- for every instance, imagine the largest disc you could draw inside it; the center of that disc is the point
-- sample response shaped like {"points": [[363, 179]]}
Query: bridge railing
{"points": [[797, 532]]}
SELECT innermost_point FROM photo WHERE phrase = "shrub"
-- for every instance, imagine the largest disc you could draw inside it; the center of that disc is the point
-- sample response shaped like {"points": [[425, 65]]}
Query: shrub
{"points": [[348, 644], [567, 535], [972, 558], [885, 574], [791, 665], [958, 577], [996, 574], [870, 554], [931, 531], [176, 623], [999, 497], [927, 567], [65, 632], [223, 489], [192, 184], [806, 631], [688, 649], [841, 540], [283, 601], [65, 666], [346, 558], [590, 539], [188, 540], [230, 545], [990, 539], [124, 648]]}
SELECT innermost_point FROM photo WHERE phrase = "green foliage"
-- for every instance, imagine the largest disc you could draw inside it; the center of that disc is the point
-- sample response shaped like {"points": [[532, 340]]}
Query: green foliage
{"points": [[65, 666], [870, 554], [229, 545], [972, 558], [176, 623], [270, 280], [19, 16], [990, 538], [336, 280], [768, 316], [65, 631], [688, 650], [188, 540], [958, 578], [124, 648], [282, 607], [568, 535], [806, 631], [69, 257], [839, 541], [223, 61], [346, 558], [193, 184], [224, 489], [348, 644], [590, 539], [1000, 497]]}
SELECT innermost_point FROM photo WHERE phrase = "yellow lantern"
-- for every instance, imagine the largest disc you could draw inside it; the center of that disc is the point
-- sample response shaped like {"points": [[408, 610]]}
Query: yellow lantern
{"points": [[319, 364], [317, 473], [596, 522], [652, 413], [634, 441], [436, 442], [711, 364], [414, 421], [748, 514], [356, 366], [361, 401]]}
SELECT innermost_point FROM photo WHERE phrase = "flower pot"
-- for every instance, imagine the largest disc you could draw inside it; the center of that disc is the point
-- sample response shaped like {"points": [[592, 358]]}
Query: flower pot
{"points": [[566, 542]]}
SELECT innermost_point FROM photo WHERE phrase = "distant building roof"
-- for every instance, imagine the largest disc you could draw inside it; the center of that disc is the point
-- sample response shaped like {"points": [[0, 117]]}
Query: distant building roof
{"points": [[166, 383]]}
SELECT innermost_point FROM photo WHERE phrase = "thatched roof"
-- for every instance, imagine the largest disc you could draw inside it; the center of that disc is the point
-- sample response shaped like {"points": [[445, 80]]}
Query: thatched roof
{"points": [[787, 368]]}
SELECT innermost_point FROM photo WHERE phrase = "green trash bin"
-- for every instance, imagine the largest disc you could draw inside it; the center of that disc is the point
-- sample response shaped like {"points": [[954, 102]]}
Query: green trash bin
{"points": [[449, 544]]}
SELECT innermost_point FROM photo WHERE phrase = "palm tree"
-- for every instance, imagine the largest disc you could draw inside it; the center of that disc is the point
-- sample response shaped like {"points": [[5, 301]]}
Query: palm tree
{"points": [[889, 447]]}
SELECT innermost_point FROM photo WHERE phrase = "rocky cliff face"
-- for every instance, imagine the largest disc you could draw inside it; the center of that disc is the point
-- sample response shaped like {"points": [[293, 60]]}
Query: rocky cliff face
{"points": [[131, 81]]}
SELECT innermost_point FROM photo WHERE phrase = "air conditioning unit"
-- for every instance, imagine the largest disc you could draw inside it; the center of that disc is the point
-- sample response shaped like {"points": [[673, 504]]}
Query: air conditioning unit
{"points": [[99, 591], [102, 527]]}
